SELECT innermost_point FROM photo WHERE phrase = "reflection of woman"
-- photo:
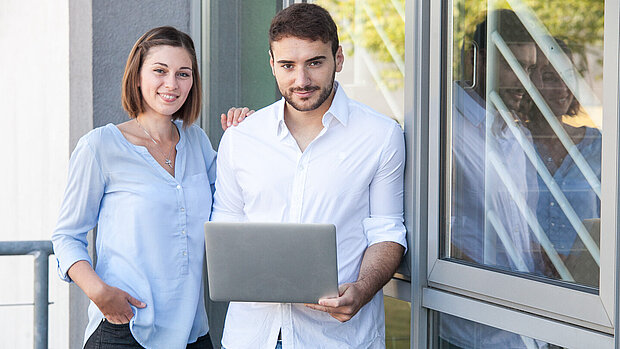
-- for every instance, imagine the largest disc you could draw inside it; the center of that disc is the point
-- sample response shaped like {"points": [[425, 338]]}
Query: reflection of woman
{"points": [[147, 185], [562, 167]]}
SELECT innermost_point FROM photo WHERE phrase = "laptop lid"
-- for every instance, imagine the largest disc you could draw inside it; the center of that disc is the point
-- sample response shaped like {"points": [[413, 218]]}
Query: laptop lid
{"points": [[271, 262]]}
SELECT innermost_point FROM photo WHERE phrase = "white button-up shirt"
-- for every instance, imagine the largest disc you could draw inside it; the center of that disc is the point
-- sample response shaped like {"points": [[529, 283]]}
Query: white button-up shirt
{"points": [[350, 175]]}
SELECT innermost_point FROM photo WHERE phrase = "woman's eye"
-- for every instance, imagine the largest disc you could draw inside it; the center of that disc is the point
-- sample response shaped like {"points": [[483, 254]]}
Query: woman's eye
{"points": [[184, 75], [158, 71]]}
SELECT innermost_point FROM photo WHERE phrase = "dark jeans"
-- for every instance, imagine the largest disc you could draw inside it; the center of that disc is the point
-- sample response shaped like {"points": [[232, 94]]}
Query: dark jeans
{"points": [[112, 336]]}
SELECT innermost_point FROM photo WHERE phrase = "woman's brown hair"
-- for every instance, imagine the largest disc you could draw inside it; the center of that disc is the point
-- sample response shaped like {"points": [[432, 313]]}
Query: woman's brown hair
{"points": [[131, 95]]}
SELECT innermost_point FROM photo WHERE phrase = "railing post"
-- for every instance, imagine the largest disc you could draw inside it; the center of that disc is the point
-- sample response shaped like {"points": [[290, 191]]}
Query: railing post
{"points": [[41, 301]]}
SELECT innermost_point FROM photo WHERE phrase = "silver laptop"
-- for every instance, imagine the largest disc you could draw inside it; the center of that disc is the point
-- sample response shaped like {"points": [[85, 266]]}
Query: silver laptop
{"points": [[271, 262]]}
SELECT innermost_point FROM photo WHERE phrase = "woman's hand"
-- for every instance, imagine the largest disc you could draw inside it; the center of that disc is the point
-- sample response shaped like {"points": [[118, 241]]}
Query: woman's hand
{"points": [[234, 116], [114, 304]]}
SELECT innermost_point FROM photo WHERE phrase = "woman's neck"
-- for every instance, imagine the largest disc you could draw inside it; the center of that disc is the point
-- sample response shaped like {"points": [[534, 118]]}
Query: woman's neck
{"points": [[159, 128]]}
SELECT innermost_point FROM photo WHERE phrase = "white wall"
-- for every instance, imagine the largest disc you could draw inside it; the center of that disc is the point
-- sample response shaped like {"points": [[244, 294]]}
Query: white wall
{"points": [[34, 153]]}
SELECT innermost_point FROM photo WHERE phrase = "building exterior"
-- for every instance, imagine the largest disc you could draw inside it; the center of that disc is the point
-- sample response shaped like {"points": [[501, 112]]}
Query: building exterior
{"points": [[489, 265]]}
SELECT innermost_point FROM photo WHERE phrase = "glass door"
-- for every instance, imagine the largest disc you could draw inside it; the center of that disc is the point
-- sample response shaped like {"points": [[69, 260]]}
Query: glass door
{"points": [[522, 186]]}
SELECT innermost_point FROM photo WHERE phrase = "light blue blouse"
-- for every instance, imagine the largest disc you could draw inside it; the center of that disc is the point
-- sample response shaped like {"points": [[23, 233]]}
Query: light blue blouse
{"points": [[150, 240], [578, 192]]}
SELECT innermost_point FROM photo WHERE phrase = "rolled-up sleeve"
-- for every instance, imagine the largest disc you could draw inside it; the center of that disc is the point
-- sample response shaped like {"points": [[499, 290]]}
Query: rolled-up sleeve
{"points": [[386, 194], [80, 208]]}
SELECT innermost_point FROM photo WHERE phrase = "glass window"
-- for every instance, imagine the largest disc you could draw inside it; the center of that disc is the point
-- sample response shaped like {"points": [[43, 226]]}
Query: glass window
{"points": [[524, 90], [372, 35], [458, 333]]}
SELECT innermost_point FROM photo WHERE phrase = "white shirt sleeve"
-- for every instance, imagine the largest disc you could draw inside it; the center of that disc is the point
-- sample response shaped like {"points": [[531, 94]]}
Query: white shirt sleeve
{"points": [[228, 201], [79, 211], [386, 193]]}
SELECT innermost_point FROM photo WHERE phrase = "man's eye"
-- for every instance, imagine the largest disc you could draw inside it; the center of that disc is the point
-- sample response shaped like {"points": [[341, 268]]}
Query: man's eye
{"points": [[315, 64], [287, 66]]}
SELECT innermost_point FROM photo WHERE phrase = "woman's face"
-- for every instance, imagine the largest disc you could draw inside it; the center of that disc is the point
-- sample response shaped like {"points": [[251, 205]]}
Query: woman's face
{"points": [[165, 80], [553, 89]]}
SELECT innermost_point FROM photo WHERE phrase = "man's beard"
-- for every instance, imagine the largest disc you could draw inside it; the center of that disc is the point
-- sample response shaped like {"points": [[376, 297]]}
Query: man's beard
{"points": [[288, 97]]}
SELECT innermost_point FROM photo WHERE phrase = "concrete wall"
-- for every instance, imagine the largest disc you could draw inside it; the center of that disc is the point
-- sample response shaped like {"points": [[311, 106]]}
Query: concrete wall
{"points": [[62, 66], [116, 27]]}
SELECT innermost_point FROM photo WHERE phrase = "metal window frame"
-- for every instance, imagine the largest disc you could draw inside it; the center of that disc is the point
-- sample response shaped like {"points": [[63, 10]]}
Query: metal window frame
{"points": [[541, 328], [555, 303]]}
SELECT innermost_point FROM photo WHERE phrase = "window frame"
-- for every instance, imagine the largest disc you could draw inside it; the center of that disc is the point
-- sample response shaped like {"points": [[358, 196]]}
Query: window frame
{"points": [[595, 312]]}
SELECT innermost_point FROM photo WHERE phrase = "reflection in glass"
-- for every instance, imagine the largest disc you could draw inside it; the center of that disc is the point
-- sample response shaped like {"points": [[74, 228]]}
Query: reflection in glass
{"points": [[372, 34], [524, 161], [457, 333]]}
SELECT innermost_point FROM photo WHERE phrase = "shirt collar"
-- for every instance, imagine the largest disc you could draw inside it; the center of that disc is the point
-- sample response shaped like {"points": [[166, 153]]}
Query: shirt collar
{"points": [[339, 110]]}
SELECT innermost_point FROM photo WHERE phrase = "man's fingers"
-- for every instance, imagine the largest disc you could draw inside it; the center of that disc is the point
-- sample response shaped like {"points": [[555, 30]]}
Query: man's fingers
{"points": [[340, 314], [331, 302], [223, 121], [318, 307]]}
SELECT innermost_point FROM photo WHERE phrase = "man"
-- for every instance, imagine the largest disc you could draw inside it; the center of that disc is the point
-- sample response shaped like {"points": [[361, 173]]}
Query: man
{"points": [[316, 157]]}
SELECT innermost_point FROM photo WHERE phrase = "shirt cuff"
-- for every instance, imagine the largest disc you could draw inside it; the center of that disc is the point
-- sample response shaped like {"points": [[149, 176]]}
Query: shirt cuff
{"points": [[70, 257], [381, 229]]}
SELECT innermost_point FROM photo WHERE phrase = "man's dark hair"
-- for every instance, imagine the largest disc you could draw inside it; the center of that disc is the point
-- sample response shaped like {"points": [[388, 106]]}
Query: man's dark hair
{"points": [[304, 21], [509, 26]]}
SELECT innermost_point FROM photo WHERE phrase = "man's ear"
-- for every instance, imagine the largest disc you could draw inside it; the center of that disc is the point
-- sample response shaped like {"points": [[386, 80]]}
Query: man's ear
{"points": [[339, 59], [271, 62]]}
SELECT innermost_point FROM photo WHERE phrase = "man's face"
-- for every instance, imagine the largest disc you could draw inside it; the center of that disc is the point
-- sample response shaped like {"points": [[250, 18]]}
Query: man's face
{"points": [[510, 88], [305, 71]]}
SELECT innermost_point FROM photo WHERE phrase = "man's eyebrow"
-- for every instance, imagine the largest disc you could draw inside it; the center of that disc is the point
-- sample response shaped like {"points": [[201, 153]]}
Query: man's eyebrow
{"points": [[315, 58], [166, 65]]}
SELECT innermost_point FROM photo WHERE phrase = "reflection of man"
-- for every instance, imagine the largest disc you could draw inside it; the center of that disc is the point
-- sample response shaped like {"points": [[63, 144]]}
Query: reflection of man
{"points": [[490, 170], [316, 156], [471, 144]]}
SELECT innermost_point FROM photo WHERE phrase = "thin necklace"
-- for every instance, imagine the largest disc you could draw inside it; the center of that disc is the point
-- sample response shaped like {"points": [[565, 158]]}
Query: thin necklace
{"points": [[167, 159]]}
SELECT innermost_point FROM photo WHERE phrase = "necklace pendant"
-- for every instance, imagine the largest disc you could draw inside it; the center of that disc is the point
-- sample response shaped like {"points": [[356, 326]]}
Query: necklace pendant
{"points": [[168, 162]]}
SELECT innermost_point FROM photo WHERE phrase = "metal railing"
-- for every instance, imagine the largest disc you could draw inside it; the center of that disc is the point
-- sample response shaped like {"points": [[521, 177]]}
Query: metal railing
{"points": [[40, 250]]}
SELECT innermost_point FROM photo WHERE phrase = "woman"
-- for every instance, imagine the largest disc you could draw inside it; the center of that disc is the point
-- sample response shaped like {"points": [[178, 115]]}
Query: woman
{"points": [[147, 185], [564, 170]]}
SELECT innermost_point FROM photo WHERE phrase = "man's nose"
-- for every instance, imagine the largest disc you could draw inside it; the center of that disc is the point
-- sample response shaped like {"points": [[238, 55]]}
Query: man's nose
{"points": [[302, 78]]}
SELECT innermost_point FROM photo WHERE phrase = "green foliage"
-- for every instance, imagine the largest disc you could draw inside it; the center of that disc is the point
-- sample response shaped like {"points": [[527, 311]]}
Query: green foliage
{"points": [[360, 23], [578, 22]]}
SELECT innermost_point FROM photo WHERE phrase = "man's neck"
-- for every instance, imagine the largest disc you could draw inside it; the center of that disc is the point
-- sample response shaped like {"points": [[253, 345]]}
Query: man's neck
{"points": [[305, 126]]}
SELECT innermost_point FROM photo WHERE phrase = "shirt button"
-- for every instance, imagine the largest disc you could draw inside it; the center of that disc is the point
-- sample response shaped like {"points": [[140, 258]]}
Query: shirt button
{"points": [[553, 224], [183, 232], [178, 186], [552, 204], [185, 253], [182, 209]]}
